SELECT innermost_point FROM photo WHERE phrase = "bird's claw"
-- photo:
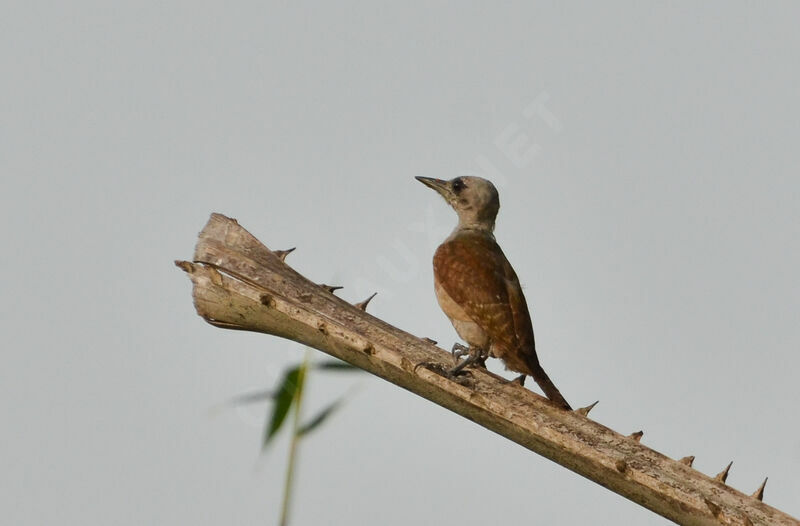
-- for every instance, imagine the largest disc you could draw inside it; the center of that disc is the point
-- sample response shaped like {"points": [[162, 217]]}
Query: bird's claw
{"points": [[459, 350], [475, 356], [442, 370], [431, 366]]}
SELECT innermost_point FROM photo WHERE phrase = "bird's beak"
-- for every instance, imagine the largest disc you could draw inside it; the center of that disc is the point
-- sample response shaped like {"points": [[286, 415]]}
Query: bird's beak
{"points": [[439, 185]]}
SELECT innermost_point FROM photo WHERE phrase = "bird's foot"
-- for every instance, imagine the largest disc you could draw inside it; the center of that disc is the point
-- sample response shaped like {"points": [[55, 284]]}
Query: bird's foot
{"points": [[481, 360], [436, 367], [482, 357], [475, 356], [459, 350], [459, 376]]}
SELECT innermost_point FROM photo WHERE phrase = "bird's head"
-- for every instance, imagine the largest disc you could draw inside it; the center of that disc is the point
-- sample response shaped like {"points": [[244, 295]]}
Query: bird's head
{"points": [[474, 199]]}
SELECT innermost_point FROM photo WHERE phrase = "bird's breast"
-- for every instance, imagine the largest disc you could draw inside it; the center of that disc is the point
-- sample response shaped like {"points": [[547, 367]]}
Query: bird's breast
{"points": [[467, 330]]}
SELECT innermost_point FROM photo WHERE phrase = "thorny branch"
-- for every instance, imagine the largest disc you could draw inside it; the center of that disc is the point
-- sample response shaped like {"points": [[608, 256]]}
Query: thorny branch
{"points": [[241, 284]]}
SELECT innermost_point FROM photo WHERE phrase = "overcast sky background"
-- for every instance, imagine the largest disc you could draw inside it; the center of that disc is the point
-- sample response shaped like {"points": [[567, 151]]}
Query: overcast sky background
{"points": [[649, 206]]}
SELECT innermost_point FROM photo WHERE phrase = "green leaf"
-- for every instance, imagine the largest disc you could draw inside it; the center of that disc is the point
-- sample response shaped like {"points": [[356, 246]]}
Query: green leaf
{"points": [[283, 402], [320, 418], [335, 365]]}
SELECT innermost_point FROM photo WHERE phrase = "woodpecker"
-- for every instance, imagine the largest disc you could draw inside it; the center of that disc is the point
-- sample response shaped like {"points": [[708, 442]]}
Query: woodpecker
{"points": [[478, 289]]}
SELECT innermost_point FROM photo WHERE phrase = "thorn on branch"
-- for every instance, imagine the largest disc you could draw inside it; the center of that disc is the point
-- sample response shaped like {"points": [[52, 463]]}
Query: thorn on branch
{"points": [[722, 476], [759, 494], [330, 288], [688, 461], [637, 436], [426, 339], [363, 304], [283, 253], [185, 266], [584, 411]]}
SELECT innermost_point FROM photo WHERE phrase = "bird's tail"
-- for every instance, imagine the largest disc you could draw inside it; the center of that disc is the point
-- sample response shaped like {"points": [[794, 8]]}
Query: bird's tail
{"points": [[549, 388]]}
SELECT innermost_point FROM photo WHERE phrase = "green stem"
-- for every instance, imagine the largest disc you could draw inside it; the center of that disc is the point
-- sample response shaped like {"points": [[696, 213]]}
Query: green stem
{"points": [[287, 489]]}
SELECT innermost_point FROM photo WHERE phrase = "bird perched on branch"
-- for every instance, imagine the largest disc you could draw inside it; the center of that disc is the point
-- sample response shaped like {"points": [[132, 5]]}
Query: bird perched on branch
{"points": [[477, 288]]}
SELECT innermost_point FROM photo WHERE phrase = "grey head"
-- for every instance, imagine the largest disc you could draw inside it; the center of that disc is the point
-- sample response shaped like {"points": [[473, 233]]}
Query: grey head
{"points": [[474, 199]]}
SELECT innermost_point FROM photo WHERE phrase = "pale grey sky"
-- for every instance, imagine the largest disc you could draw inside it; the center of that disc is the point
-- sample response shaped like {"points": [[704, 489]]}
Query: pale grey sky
{"points": [[649, 207]]}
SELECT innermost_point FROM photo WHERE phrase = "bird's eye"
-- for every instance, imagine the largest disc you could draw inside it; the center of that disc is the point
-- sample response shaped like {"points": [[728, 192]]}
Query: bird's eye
{"points": [[458, 185]]}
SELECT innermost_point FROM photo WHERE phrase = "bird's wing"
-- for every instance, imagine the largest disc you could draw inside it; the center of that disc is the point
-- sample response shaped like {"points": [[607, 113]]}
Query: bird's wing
{"points": [[476, 274], [519, 309]]}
